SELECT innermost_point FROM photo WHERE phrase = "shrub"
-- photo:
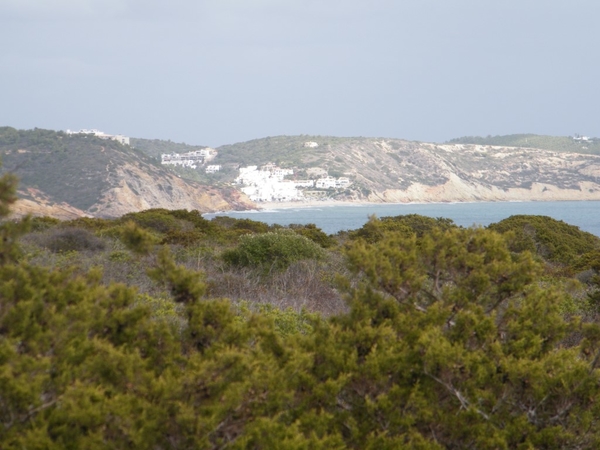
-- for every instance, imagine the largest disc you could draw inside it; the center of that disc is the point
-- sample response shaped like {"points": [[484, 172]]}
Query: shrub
{"points": [[272, 250], [157, 219], [408, 224], [194, 217], [553, 240], [315, 234], [69, 239], [90, 223], [42, 223], [231, 223]]}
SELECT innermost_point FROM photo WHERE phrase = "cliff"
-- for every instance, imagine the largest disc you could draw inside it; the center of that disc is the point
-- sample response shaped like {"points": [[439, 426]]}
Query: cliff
{"points": [[67, 176], [396, 170]]}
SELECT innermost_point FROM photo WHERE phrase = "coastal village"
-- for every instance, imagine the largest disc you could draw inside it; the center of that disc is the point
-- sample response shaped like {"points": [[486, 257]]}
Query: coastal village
{"points": [[267, 183]]}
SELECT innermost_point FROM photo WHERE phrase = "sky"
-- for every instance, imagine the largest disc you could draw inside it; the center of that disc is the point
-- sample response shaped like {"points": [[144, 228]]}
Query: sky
{"points": [[215, 72]]}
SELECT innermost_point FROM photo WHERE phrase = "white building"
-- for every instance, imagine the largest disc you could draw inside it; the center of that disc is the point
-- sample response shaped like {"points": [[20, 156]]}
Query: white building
{"points": [[213, 168], [311, 144], [325, 183], [102, 135], [268, 184], [332, 183], [192, 159]]}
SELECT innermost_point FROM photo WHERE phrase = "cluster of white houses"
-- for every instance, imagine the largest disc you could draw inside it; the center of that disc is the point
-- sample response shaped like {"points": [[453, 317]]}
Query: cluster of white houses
{"points": [[102, 135], [267, 184], [192, 159]]}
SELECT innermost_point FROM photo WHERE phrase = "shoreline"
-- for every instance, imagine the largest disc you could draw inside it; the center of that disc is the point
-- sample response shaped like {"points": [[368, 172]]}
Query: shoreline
{"points": [[271, 206]]}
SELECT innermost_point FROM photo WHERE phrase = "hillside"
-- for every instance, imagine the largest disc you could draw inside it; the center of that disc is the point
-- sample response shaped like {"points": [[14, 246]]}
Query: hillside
{"points": [[155, 147], [64, 175], [395, 170], [72, 175], [557, 143]]}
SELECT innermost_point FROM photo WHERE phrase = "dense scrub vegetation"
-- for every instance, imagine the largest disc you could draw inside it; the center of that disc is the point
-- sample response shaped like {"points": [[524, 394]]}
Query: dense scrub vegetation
{"points": [[557, 143], [164, 330], [156, 147], [86, 164]]}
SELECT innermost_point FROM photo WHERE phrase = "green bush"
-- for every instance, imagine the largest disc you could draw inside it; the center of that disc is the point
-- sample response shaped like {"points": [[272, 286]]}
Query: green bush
{"points": [[551, 239], [69, 239], [230, 223], [43, 223], [408, 224], [194, 217], [314, 233], [90, 223], [272, 250], [185, 238], [285, 321], [157, 219]]}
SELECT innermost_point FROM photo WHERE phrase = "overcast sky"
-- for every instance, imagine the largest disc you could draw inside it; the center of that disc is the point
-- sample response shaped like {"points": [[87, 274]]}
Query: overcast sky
{"points": [[213, 72]]}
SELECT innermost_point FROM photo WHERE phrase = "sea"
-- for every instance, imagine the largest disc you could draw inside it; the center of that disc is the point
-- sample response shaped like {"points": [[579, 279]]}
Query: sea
{"points": [[332, 219]]}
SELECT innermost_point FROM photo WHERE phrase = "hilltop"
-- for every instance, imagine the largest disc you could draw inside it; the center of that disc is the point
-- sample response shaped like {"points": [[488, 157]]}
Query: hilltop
{"points": [[396, 170], [574, 144], [74, 175]]}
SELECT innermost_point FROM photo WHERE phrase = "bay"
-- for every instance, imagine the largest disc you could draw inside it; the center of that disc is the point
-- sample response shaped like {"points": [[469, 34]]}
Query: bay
{"points": [[332, 219]]}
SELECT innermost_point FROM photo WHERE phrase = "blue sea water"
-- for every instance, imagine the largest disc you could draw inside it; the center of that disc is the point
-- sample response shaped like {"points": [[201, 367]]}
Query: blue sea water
{"points": [[331, 219]]}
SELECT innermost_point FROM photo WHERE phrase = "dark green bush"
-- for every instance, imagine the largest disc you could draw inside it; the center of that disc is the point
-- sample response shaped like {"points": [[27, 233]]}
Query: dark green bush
{"points": [[315, 234], [194, 217], [551, 239], [251, 226], [185, 238], [42, 223], [272, 250], [69, 239], [90, 223], [157, 219], [408, 224]]}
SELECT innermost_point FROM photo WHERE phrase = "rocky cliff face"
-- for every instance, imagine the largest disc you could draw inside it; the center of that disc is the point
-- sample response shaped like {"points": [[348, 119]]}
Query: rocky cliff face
{"points": [[67, 176], [478, 173], [390, 170], [140, 189]]}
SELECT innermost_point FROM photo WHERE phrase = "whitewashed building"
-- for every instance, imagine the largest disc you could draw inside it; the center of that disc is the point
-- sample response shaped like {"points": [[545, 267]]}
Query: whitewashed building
{"points": [[332, 183], [268, 184], [213, 168], [191, 159], [102, 135]]}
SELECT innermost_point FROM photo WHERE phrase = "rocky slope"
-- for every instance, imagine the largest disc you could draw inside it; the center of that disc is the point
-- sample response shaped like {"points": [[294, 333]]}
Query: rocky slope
{"points": [[430, 172], [394, 170], [140, 188], [69, 176]]}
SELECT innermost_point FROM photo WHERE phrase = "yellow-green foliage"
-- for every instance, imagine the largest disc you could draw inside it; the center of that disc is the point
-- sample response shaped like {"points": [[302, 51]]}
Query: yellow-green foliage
{"points": [[450, 340], [285, 321], [442, 347], [407, 224], [553, 240]]}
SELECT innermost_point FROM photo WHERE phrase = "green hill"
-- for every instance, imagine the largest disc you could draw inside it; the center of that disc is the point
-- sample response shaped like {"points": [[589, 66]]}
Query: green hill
{"points": [[99, 176], [556, 143], [285, 151], [156, 147], [75, 169]]}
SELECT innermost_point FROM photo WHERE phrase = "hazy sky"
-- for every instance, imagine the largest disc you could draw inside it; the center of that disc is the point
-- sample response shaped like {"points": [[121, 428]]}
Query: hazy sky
{"points": [[213, 72]]}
